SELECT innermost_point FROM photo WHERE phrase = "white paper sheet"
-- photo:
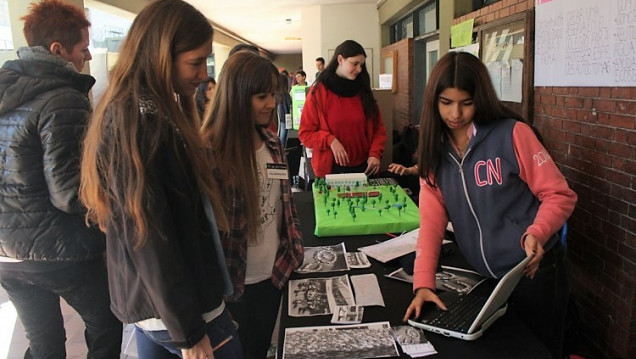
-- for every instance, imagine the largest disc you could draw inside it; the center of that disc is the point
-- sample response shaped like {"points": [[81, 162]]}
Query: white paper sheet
{"points": [[367, 290], [395, 247], [413, 341]]}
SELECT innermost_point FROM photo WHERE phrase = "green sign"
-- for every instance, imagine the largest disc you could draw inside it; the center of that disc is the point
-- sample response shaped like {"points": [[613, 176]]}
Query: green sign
{"points": [[462, 33], [298, 94]]}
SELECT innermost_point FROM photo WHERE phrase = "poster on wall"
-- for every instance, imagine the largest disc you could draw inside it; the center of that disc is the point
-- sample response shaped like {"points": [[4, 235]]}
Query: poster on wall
{"points": [[503, 55], [585, 43]]}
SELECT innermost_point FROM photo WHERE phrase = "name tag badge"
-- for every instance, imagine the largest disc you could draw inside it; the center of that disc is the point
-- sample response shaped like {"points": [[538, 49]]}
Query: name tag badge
{"points": [[277, 171], [288, 122]]}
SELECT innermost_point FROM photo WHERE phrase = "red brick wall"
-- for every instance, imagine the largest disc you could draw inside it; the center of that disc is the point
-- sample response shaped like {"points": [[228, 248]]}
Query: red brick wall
{"points": [[402, 98], [497, 11], [591, 134]]}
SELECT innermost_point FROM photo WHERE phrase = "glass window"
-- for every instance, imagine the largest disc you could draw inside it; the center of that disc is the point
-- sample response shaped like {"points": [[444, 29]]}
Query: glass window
{"points": [[6, 40], [427, 17], [407, 27], [395, 33]]}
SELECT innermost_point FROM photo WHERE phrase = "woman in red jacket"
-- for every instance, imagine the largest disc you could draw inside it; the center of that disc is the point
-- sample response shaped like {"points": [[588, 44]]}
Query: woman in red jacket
{"points": [[340, 121]]}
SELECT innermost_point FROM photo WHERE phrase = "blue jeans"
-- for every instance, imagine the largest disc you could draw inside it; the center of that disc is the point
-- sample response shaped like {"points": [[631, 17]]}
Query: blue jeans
{"points": [[84, 286], [256, 314], [159, 345]]}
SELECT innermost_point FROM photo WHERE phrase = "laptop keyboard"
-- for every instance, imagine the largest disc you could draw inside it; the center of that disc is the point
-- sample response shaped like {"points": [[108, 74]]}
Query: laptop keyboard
{"points": [[460, 314]]}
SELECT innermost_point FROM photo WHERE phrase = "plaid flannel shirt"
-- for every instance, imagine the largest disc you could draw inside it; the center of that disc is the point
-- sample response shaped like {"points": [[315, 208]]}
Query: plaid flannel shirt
{"points": [[290, 251]]}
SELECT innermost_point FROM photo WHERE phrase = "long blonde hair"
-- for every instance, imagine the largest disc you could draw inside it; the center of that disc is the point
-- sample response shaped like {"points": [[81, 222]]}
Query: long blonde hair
{"points": [[119, 143], [230, 125]]}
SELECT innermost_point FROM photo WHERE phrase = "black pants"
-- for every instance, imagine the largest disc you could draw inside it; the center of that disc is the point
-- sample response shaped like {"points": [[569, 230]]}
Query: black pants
{"points": [[84, 286], [256, 315], [542, 302]]}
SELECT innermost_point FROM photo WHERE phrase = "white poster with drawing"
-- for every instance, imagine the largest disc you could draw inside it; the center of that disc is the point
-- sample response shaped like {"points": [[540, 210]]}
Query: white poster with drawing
{"points": [[585, 43]]}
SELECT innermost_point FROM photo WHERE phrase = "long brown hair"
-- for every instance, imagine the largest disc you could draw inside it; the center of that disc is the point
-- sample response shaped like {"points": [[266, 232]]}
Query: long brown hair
{"points": [[465, 72], [230, 126], [119, 144]]}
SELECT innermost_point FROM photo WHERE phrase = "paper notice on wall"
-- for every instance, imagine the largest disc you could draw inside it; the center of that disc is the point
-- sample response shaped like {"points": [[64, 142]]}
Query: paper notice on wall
{"points": [[386, 81], [494, 69], [585, 43], [462, 33], [491, 47], [507, 51], [471, 49], [516, 80]]}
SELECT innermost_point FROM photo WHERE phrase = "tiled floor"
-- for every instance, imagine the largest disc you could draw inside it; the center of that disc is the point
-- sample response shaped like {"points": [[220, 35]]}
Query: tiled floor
{"points": [[13, 338]]}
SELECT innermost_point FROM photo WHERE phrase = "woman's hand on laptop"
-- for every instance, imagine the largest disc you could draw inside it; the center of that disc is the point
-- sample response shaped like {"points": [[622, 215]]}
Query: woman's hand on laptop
{"points": [[532, 246], [422, 295]]}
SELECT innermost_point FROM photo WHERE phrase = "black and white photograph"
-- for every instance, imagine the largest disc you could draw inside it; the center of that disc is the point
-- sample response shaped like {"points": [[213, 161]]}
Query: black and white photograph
{"points": [[324, 259], [457, 279], [413, 341], [357, 260], [319, 296], [406, 334], [347, 314], [357, 341]]}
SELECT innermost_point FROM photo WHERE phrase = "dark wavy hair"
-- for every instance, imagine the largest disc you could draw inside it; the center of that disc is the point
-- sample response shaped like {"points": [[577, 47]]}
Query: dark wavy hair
{"points": [[465, 72], [348, 49]]}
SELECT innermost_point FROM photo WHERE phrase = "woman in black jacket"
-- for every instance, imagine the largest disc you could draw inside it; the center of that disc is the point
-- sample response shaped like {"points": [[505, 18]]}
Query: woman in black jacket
{"points": [[147, 185]]}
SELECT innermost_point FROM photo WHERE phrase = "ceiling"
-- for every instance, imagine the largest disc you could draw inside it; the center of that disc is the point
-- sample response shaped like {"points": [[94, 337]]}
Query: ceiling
{"points": [[274, 25]]}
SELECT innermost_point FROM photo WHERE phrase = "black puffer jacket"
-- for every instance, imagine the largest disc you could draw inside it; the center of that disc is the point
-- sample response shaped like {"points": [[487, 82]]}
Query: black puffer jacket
{"points": [[44, 109]]}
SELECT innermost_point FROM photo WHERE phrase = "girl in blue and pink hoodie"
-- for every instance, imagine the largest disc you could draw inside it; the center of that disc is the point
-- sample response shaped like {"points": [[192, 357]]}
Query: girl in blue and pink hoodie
{"points": [[484, 169]]}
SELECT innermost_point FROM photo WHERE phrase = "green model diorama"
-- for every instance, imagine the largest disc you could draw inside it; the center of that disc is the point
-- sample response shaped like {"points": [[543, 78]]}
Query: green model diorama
{"points": [[361, 209]]}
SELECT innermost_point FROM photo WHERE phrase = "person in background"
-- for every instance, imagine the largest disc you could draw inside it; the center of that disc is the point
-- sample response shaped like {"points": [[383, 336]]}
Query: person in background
{"points": [[204, 94], [46, 250], [264, 244], [244, 47], [341, 121], [320, 65], [147, 184], [403, 170], [301, 78], [288, 77], [482, 167], [283, 108], [294, 78]]}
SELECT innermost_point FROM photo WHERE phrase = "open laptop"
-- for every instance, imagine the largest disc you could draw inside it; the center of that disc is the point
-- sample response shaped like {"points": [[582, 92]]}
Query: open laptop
{"points": [[470, 314]]}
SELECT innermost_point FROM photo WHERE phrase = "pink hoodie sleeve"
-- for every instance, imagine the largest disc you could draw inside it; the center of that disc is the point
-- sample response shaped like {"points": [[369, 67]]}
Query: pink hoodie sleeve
{"points": [[546, 182], [433, 222]]}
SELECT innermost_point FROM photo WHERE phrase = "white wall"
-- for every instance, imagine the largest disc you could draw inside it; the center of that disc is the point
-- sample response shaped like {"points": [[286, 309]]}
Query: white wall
{"points": [[221, 53], [325, 27], [311, 44], [291, 62], [17, 9]]}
